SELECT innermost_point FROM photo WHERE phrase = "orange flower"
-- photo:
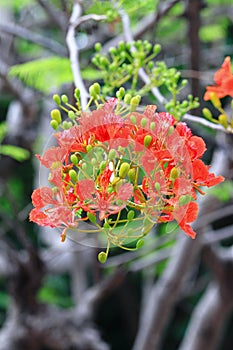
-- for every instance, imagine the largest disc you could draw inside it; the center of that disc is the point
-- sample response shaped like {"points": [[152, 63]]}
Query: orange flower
{"points": [[223, 79]]}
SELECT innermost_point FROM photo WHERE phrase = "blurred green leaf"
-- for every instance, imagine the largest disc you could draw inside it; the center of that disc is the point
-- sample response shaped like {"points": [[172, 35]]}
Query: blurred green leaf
{"points": [[224, 191], [212, 32], [3, 130], [18, 153]]}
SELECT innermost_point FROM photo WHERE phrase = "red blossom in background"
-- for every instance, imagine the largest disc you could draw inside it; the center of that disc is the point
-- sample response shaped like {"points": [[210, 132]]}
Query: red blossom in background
{"points": [[223, 79], [120, 168]]}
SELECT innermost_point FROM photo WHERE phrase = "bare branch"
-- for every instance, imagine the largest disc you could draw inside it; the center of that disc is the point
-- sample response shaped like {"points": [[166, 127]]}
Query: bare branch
{"points": [[36, 38], [74, 53]]}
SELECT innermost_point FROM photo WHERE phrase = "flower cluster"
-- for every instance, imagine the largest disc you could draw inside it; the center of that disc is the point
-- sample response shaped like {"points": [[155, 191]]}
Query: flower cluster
{"points": [[223, 87], [121, 172]]}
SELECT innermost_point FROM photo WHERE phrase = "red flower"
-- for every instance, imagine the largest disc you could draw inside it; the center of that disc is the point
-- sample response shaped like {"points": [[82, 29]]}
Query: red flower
{"points": [[201, 175], [51, 210], [224, 81]]}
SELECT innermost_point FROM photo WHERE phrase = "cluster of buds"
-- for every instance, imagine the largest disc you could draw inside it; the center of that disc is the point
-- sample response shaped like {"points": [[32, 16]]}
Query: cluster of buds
{"points": [[120, 171]]}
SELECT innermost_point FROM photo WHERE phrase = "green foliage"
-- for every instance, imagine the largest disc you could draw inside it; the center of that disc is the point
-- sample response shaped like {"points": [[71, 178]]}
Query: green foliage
{"points": [[17, 153], [55, 291], [212, 32], [44, 74], [224, 191], [48, 74]]}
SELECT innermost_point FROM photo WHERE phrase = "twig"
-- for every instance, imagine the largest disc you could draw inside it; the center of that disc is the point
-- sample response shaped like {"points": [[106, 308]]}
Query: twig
{"points": [[205, 122], [74, 53], [36, 38]]}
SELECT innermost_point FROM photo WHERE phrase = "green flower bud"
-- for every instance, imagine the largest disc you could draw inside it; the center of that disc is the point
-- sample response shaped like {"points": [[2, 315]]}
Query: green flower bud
{"points": [[223, 120], [56, 99], [98, 47], [184, 82], [56, 115], [147, 140], [54, 124], [140, 243], [152, 126], [127, 99], [102, 257], [77, 94], [207, 114], [73, 175], [175, 173], [130, 215], [96, 88], [121, 45], [92, 91], [71, 115], [150, 64], [157, 49], [123, 171], [74, 159], [144, 122], [133, 119], [215, 100], [112, 51], [157, 186], [134, 102], [120, 93], [132, 174], [64, 98], [89, 148]]}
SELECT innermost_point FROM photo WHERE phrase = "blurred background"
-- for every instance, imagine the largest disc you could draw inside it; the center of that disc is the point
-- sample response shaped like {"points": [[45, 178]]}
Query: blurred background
{"points": [[174, 293]]}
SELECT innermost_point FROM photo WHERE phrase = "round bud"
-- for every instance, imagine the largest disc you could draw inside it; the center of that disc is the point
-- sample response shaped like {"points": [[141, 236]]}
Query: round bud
{"points": [[133, 119], [147, 140], [54, 124], [152, 126], [175, 172], [84, 166], [132, 174], [102, 257], [112, 50], [127, 99], [89, 148], [77, 93], [98, 47], [123, 171], [144, 122], [56, 115], [56, 99], [96, 88], [157, 186], [71, 115], [74, 159], [157, 49], [223, 120], [73, 175], [64, 98], [207, 114]]}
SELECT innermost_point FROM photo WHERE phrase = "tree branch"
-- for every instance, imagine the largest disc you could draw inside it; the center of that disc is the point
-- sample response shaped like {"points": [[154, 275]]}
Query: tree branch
{"points": [[27, 34]]}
